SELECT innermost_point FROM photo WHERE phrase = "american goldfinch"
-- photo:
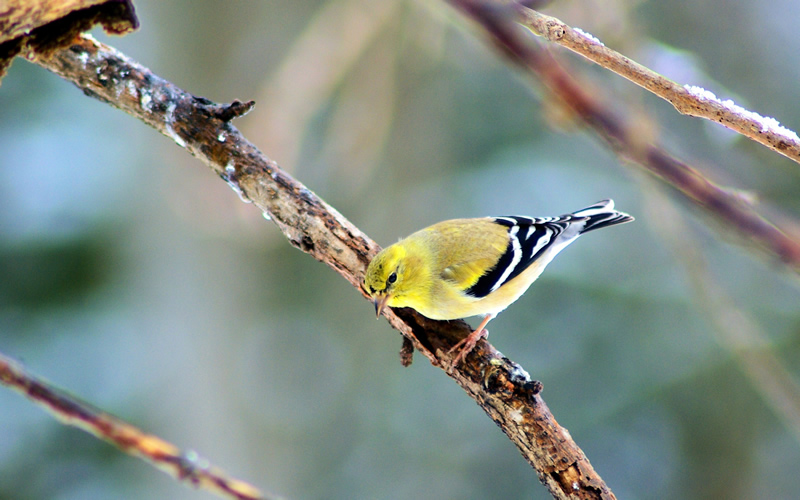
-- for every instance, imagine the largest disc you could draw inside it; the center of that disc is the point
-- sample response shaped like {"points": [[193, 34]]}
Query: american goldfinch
{"points": [[469, 267]]}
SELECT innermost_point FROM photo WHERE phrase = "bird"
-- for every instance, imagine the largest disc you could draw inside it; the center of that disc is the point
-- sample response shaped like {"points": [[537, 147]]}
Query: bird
{"points": [[475, 267]]}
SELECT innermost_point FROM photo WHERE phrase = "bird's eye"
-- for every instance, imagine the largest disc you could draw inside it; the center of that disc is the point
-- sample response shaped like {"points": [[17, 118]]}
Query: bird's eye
{"points": [[392, 278]]}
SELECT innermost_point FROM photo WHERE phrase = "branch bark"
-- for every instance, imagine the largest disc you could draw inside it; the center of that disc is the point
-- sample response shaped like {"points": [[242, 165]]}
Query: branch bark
{"points": [[502, 388], [42, 26]]}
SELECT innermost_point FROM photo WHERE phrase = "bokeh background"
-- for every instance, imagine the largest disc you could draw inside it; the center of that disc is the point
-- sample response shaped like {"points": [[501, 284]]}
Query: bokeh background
{"points": [[132, 277]]}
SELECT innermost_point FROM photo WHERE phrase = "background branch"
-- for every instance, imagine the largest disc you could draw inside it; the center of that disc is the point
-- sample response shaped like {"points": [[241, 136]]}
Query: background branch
{"points": [[623, 135], [687, 99], [182, 466]]}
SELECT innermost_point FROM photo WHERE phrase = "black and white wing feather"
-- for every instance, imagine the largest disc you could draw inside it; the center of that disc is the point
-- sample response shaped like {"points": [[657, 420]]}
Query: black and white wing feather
{"points": [[537, 240]]}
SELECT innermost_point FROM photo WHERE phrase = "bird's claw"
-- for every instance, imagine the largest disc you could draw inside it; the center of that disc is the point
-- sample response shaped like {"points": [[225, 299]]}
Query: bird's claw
{"points": [[466, 345]]}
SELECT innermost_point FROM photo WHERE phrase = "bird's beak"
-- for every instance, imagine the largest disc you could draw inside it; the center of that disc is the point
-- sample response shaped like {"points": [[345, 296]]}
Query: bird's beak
{"points": [[380, 304]]}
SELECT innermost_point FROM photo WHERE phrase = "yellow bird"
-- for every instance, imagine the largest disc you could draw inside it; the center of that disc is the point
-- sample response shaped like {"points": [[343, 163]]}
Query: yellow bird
{"points": [[469, 267]]}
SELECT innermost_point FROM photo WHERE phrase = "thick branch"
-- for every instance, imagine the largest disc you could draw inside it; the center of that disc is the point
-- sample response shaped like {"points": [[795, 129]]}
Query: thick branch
{"points": [[21, 18], [503, 389], [42, 26]]}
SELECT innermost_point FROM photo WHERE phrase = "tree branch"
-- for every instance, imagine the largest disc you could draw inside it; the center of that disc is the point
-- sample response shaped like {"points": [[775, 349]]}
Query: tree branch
{"points": [[183, 466], [687, 99], [500, 23], [42, 26], [502, 388]]}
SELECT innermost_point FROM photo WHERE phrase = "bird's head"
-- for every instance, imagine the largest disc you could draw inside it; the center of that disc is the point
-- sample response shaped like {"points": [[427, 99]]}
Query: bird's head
{"points": [[387, 278]]}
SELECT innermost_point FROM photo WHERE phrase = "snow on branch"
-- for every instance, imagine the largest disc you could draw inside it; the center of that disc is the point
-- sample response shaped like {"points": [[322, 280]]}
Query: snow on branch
{"points": [[687, 99]]}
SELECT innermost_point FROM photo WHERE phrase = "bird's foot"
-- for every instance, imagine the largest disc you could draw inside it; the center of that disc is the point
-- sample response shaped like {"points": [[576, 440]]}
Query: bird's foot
{"points": [[466, 345]]}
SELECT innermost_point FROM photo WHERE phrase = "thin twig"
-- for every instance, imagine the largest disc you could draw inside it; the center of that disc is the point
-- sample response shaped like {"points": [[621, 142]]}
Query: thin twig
{"points": [[183, 466], [687, 99], [502, 388]]}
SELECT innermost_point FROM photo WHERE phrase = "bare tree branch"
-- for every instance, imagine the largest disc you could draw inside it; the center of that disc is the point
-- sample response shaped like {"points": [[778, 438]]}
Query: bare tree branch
{"points": [[502, 388], [183, 466], [499, 22], [41, 26], [687, 99]]}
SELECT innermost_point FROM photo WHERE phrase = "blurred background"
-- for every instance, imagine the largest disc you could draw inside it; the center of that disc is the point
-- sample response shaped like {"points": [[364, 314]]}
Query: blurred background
{"points": [[132, 277]]}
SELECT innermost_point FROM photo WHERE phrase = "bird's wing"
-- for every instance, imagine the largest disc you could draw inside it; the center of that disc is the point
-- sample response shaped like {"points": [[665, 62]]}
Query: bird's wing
{"points": [[528, 239], [465, 274], [467, 249]]}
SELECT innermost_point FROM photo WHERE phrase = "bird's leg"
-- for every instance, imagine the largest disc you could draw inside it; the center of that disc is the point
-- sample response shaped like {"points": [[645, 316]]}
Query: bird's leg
{"points": [[467, 344]]}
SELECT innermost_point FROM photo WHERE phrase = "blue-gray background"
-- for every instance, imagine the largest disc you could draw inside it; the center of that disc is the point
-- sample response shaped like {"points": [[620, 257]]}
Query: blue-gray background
{"points": [[131, 276]]}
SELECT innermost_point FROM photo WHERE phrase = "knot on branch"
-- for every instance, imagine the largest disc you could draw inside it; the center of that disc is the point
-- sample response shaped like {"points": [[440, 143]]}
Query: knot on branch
{"points": [[227, 112], [508, 378], [555, 31]]}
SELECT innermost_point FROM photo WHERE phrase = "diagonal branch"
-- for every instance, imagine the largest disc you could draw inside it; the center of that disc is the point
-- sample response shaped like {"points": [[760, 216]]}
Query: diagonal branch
{"points": [[161, 454], [502, 388], [500, 24], [687, 99]]}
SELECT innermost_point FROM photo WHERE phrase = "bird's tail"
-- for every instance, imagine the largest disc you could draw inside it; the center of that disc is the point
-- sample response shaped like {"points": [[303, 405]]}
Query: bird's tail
{"points": [[601, 214]]}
